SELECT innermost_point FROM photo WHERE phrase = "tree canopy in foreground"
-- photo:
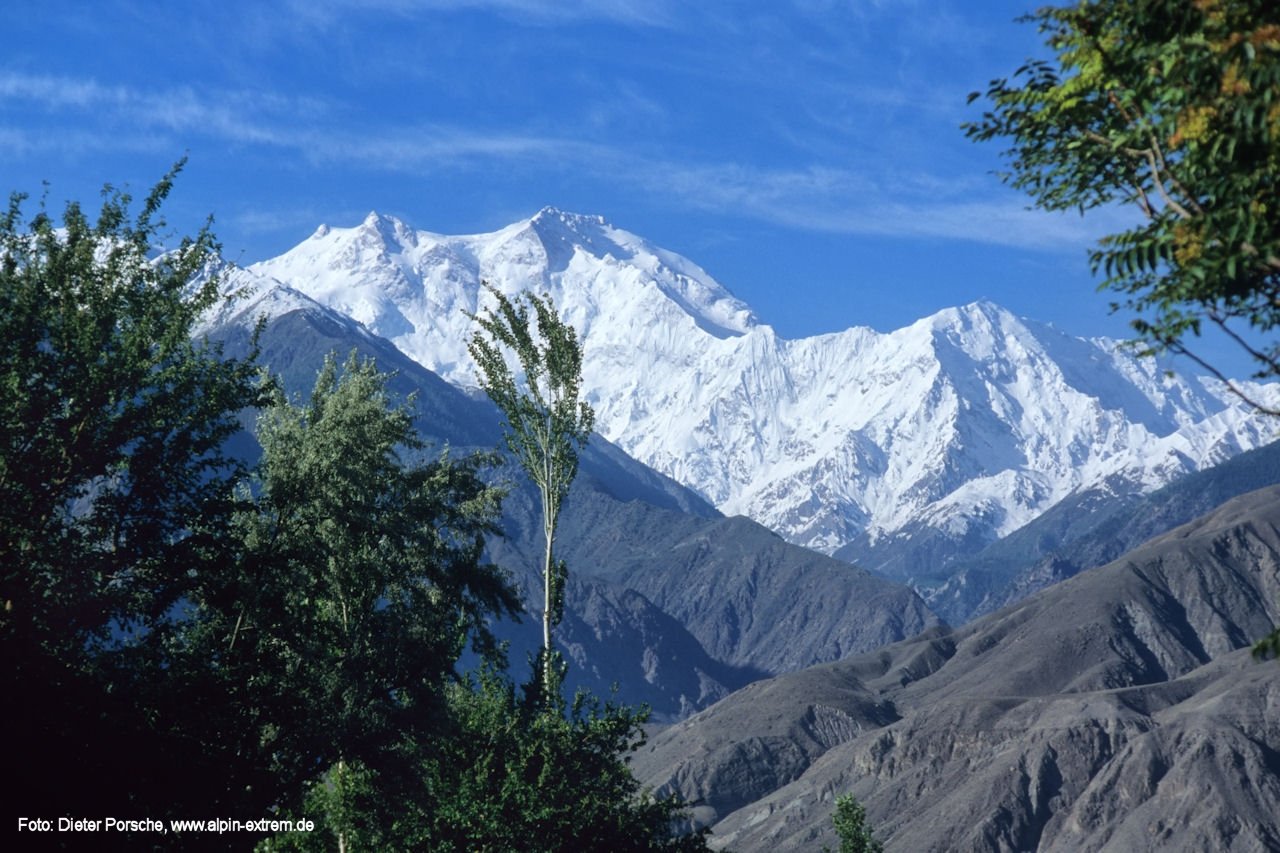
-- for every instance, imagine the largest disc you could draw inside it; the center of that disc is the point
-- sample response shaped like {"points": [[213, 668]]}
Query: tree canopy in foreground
{"points": [[187, 635], [115, 492]]}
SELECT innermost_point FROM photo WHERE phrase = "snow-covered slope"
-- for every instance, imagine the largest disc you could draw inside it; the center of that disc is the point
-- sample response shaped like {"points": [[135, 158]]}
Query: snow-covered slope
{"points": [[971, 421]]}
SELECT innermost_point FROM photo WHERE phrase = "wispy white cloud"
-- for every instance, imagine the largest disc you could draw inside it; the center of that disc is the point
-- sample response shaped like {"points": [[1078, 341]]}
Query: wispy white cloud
{"points": [[817, 197], [54, 92], [850, 202], [274, 220], [428, 148], [15, 142], [18, 143], [239, 116], [636, 12], [643, 13], [254, 119], [625, 105]]}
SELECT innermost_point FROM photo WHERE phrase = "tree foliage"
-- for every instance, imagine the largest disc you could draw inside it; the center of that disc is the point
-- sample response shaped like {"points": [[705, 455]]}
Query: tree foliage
{"points": [[115, 491], [1172, 107], [516, 777], [546, 421], [184, 640], [1268, 646], [850, 821], [360, 578]]}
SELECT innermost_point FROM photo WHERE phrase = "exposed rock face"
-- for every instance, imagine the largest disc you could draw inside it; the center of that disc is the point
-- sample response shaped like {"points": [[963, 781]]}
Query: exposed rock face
{"points": [[746, 604], [750, 598], [613, 635], [1119, 710]]}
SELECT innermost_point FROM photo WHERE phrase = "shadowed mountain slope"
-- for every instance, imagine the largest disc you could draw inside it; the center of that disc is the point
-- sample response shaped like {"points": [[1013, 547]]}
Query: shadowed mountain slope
{"points": [[749, 597], [675, 604], [1118, 710], [1089, 530]]}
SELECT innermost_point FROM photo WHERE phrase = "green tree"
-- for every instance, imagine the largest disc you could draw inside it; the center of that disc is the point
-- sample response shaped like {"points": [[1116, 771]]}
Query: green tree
{"points": [[530, 773], [360, 579], [1172, 107], [517, 778], [850, 821], [546, 422], [115, 492]]}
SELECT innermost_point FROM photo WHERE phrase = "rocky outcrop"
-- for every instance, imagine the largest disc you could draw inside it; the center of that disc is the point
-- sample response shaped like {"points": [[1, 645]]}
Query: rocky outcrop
{"points": [[749, 597]]}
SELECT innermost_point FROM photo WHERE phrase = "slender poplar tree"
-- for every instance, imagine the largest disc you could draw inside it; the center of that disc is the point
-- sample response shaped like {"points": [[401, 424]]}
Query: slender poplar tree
{"points": [[546, 421]]}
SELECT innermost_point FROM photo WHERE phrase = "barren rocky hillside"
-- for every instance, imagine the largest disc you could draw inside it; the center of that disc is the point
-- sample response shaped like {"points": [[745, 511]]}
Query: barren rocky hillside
{"points": [[1119, 710]]}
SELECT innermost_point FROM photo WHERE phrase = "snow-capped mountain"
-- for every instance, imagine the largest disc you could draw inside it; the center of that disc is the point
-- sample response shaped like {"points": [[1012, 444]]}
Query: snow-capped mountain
{"points": [[970, 422]]}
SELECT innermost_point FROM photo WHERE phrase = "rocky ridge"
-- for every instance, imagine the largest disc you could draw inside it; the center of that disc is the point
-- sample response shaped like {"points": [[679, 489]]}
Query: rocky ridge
{"points": [[1118, 710]]}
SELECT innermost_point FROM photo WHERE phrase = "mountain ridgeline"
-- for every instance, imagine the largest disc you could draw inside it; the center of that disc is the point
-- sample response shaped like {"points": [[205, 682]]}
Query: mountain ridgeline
{"points": [[902, 451], [914, 454], [1118, 710], [1090, 529]]}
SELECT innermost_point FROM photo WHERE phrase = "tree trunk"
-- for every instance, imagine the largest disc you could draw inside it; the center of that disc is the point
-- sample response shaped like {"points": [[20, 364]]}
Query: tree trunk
{"points": [[547, 598], [342, 829]]}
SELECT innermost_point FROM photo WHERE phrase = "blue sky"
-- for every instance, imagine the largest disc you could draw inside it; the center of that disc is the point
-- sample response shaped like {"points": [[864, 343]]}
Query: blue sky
{"points": [[807, 153]]}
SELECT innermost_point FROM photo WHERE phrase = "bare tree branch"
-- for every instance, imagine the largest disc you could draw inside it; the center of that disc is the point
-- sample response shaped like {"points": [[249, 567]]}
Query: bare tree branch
{"points": [[1181, 349]]}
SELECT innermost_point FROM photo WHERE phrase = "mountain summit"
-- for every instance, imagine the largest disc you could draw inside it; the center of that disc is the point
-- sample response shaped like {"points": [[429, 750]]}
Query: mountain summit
{"points": [[966, 424], [415, 287]]}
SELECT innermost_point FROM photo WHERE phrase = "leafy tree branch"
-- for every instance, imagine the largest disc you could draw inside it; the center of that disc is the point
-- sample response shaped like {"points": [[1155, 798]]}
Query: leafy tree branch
{"points": [[1174, 107]]}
